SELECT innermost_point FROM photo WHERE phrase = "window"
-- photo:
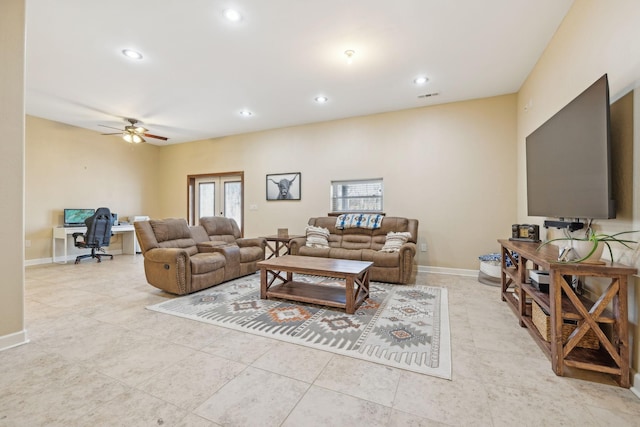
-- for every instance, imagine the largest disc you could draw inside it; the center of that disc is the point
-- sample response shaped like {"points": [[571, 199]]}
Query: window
{"points": [[358, 195]]}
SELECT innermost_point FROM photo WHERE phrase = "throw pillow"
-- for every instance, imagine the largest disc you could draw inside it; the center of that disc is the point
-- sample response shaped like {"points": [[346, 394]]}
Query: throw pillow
{"points": [[395, 241], [317, 237]]}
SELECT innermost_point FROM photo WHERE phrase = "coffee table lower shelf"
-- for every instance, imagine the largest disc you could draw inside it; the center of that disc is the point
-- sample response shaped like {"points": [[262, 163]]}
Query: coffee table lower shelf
{"points": [[310, 293], [277, 281]]}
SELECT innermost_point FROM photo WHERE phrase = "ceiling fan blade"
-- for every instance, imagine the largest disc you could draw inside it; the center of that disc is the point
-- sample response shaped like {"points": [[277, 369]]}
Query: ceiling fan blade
{"points": [[148, 135], [114, 133], [111, 127]]}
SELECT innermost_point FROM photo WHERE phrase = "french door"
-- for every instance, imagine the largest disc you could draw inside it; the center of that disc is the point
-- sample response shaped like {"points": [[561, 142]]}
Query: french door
{"points": [[216, 195]]}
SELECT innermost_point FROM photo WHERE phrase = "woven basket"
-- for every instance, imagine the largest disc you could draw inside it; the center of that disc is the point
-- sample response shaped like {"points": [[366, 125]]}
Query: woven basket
{"points": [[543, 323]]}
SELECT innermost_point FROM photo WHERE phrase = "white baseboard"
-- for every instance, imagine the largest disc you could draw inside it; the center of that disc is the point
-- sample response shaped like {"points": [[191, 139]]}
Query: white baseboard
{"points": [[40, 261], [421, 268], [444, 270], [13, 340], [635, 385]]}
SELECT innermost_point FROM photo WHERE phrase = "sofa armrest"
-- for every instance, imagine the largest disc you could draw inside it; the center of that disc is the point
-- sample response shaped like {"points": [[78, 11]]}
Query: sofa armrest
{"points": [[168, 269], [408, 249], [245, 242], [231, 253], [166, 255], [407, 256], [296, 244]]}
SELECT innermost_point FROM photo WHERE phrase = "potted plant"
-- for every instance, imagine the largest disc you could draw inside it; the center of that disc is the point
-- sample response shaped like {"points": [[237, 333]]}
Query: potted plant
{"points": [[593, 243]]}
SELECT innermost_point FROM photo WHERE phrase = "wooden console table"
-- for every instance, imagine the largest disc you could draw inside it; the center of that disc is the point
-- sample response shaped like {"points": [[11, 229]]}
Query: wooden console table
{"points": [[563, 303]]}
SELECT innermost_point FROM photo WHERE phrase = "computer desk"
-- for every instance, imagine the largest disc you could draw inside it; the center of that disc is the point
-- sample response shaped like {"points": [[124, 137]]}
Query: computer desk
{"points": [[63, 233]]}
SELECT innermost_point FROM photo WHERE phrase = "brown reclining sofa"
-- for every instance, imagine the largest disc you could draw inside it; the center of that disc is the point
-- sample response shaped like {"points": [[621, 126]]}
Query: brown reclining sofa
{"points": [[364, 244], [181, 259]]}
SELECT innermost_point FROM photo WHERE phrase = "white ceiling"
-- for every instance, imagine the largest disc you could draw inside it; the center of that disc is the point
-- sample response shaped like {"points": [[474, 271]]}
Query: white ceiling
{"points": [[200, 70]]}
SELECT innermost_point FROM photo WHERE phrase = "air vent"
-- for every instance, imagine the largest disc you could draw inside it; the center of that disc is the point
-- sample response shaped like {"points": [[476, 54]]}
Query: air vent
{"points": [[428, 95]]}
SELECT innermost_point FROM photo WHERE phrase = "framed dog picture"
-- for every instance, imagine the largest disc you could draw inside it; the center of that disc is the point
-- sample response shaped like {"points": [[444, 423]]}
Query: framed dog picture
{"points": [[283, 186]]}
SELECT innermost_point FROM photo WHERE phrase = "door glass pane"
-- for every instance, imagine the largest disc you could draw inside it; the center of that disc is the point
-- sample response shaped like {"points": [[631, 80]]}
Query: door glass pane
{"points": [[207, 197], [233, 201]]}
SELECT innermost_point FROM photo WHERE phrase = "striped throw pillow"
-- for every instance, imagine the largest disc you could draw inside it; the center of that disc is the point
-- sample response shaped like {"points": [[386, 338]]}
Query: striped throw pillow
{"points": [[395, 241], [317, 237]]}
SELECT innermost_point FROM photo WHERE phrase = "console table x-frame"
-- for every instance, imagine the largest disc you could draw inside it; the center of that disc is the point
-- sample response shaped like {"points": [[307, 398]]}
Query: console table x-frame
{"points": [[564, 304]]}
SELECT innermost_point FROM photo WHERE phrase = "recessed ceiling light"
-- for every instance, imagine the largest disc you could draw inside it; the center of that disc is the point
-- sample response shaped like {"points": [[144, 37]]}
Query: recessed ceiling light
{"points": [[232, 15], [321, 99], [129, 53], [349, 54], [420, 80], [246, 113]]}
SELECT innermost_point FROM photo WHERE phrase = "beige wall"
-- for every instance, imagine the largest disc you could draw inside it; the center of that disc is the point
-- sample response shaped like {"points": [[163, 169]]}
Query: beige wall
{"points": [[444, 165], [596, 37], [450, 166], [12, 41], [70, 167]]}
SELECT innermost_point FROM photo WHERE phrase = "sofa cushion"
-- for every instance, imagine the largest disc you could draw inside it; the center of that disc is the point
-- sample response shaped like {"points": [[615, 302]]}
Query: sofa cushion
{"points": [[206, 262], [309, 251], [317, 237], [395, 241], [251, 253], [170, 229], [173, 233], [221, 228], [356, 241], [381, 259], [328, 222], [198, 233], [341, 253]]}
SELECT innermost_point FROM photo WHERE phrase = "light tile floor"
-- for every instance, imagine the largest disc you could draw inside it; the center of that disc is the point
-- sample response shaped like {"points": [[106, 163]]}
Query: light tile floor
{"points": [[97, 357]]}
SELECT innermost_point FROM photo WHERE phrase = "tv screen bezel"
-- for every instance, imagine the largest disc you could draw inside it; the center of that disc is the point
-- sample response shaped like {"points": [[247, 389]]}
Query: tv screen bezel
{"points": [[568, 159]]}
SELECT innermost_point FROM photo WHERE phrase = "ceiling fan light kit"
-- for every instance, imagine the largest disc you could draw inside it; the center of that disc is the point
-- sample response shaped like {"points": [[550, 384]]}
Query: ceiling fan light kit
{"points": [[133, 133], [132, 138]]}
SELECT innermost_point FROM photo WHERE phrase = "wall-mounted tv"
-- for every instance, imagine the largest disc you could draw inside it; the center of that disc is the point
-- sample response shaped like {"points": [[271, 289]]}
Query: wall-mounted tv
{"points": [[569, 160], [76, 217]]}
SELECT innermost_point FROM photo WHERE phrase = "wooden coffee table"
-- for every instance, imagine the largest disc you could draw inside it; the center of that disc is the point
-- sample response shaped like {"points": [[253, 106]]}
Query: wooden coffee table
{"points": [[275, 284]]}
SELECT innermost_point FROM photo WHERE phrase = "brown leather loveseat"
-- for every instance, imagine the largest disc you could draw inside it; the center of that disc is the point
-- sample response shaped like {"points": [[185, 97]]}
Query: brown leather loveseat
{"points": [[181, 259], [365, 244]]}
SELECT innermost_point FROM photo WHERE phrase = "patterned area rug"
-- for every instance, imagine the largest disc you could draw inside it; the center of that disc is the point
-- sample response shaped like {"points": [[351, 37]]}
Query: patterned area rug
{"points": [[406, 327]]}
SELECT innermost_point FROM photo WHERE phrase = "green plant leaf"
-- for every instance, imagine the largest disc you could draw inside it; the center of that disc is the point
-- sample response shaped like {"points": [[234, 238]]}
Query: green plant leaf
{"points": [[596, 239]]}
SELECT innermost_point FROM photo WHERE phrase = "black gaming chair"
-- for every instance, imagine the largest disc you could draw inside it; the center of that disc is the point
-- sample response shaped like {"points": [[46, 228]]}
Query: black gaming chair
{"points": [[98, 234]]}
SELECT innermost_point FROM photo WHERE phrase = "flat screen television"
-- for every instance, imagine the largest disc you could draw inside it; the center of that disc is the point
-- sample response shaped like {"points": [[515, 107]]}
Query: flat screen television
{"points": [[76, 217], [569, 160]]}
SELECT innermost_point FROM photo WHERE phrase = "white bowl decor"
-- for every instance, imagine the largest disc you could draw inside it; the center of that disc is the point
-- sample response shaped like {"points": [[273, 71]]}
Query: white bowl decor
{"points": [[589, 249]]}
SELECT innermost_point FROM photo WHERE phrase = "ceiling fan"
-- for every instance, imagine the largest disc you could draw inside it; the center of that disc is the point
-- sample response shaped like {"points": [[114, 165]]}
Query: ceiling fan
{"points": [[133, 133]]}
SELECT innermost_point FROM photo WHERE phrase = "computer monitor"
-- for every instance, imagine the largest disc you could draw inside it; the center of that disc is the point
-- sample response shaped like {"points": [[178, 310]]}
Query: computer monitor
{"points": [[76, 217]]}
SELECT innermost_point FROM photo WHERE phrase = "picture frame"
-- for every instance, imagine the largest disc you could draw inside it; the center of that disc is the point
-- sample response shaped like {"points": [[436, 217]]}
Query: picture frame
{"points": [[284, 186]]}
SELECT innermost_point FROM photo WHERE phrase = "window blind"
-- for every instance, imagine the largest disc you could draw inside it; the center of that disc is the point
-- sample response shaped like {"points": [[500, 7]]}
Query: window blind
{"points": [[357, 195]]}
